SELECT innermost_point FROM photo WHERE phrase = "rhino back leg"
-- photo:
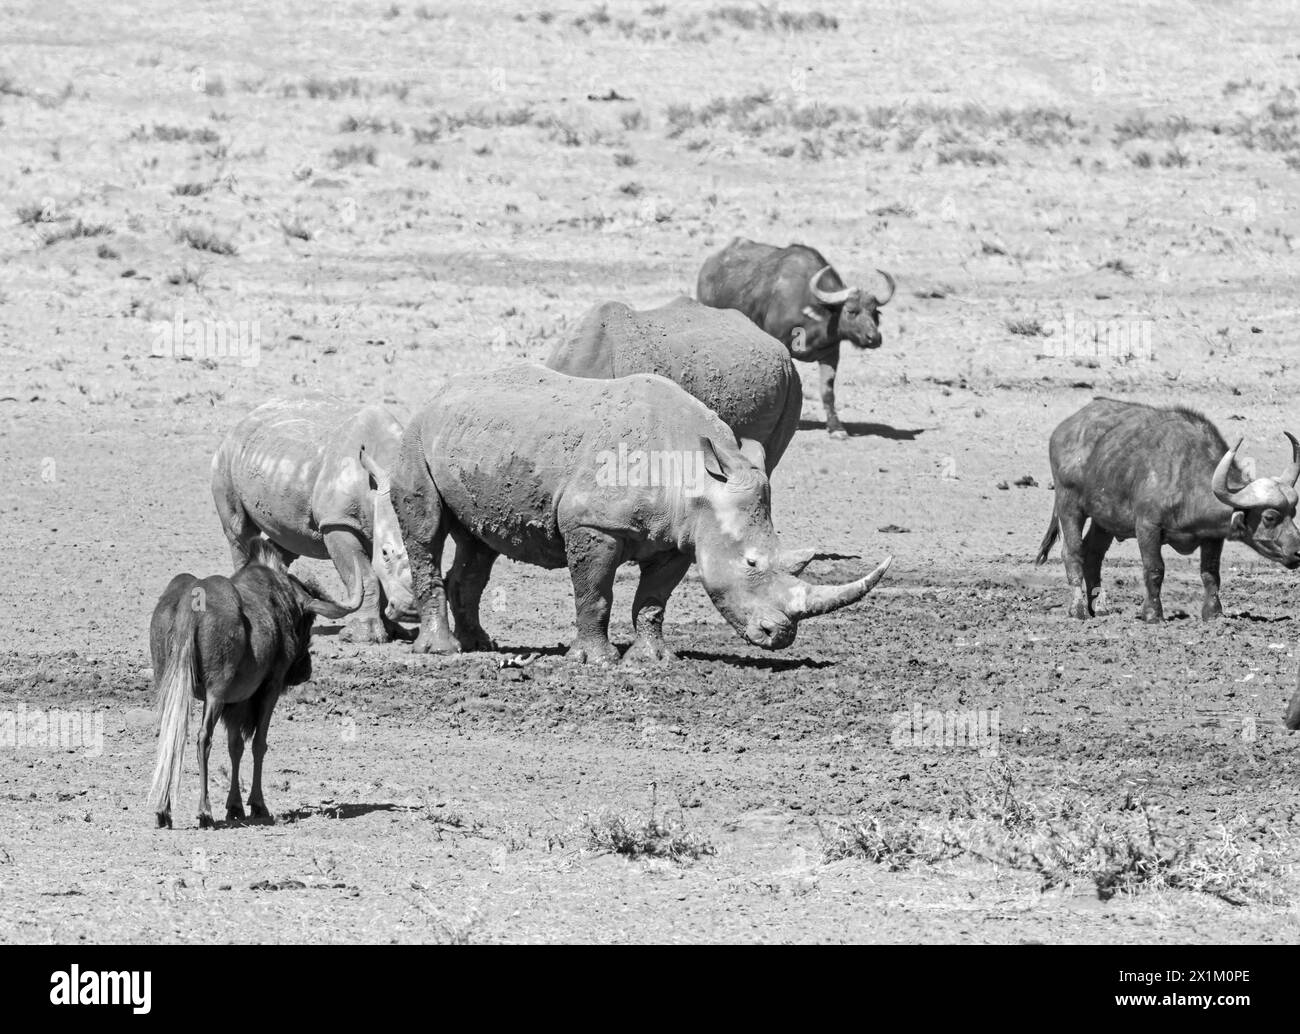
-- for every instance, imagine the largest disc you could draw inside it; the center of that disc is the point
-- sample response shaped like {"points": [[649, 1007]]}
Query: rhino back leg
{"points": [[235, 522], [466, 581], [593, 559], [1095, 545], [659, 577], [425, 523], [351, 557], [1211, 551]]}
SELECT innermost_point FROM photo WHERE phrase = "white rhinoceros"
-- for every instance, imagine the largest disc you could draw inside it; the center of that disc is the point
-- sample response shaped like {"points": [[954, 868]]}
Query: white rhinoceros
{"points": [[311, 476], [565, 471]]}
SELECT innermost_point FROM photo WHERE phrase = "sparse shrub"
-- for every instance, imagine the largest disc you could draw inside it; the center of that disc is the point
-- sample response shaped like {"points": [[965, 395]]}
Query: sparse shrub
{"points": [[970, 156], [31, 214], [1142, 159], [105, 252], [356, 154], [202, 238], [295, 228], [191, 189], [1026, 327], [78, 229], [650, 838]]}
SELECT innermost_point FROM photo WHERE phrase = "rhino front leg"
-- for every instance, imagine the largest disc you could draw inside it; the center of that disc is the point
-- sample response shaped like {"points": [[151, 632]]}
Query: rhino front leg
{"points": [[466, 581], [366, 624], [828, 367], [593, 558], [423, 521], [659, 577]]}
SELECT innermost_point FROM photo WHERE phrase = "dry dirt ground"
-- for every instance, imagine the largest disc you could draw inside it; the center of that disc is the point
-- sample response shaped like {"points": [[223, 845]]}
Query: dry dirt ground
{"points": [[410, 192]]}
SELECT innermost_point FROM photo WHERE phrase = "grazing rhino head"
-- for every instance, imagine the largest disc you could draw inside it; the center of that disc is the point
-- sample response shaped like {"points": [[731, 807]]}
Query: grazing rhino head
{"points": [[752, 581], [388, 555]]}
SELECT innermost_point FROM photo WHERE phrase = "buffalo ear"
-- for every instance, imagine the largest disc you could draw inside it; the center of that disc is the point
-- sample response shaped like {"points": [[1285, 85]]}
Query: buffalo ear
{"points": [[1239, 521]]}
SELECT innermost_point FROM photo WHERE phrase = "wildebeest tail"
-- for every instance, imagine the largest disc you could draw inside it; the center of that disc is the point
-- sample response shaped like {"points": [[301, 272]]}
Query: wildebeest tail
{"points": [[175, 689], [1049, 540]]}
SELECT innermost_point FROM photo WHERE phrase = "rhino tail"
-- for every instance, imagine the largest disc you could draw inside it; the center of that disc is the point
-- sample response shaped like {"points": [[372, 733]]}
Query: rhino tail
{"points": [[1049, 540]]}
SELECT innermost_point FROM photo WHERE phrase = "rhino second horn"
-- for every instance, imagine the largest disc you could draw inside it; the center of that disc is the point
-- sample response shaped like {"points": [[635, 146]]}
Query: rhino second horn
{"points": [[374, 470], [812, 600]]}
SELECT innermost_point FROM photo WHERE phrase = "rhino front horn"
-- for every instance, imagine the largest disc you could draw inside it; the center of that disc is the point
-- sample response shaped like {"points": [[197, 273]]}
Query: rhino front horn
{"points": [[811, 600]]}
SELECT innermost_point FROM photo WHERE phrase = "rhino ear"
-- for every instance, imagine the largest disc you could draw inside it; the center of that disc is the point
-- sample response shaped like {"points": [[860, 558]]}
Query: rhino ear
{"points": [[754, 452], [714, 463]]}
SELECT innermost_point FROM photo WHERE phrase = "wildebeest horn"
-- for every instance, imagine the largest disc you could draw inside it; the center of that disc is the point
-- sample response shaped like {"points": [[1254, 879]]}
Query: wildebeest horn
{"points": [[810, 600], [892, 287], [827, 297], [318, 603], [1220, 483], [374, 470], [1292, 472]]}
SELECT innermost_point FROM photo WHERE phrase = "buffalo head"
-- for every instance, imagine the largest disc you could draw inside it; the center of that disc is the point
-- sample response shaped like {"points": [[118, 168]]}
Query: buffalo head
{"points": [[1264, 511], [855, 311], [750, 579]]}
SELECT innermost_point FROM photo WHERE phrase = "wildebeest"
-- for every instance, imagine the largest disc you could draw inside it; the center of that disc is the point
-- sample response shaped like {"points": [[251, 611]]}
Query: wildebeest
{"points": [[1160, 476], [233, 643], [793, 294], [740, 372], [310, 475], [562, 471]]}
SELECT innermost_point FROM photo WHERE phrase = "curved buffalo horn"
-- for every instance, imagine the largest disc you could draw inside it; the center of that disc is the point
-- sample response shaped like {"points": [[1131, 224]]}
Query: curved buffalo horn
{"points": [[892, 287], [827, 297], [1292, 472], [810, 600], [1222, 492], [374, 470]]}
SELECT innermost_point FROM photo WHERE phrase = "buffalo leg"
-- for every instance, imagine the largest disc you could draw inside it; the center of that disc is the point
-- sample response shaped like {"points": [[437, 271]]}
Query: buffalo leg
{"points": [[1095, 544], [211, 712], [1153, 569], [828, 365], [659, 577], [351, 560], [1072, 518], [1211, 551], [233, 720], [263, 703], [466, 581], [593, 559]]}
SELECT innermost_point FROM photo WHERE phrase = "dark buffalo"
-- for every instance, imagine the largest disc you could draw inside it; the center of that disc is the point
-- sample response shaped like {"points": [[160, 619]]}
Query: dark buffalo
{"points": [[233, 643], [739, 372], [795, 295], [1160, 476]]}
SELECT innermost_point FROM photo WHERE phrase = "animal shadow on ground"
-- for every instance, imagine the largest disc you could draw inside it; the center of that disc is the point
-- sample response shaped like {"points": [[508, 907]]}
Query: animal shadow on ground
{"points": [[341, 811], [773, 664], [857, 429]]}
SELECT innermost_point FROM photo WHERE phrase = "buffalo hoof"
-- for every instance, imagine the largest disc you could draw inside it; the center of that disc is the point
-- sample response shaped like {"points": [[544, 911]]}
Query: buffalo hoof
{"points": [[205, 821], [164, 819], [364, 630], [431, 643], [648, 651], [1079, 609], [1152, 615], [1211, 611], [593, 652], [838, 433]]}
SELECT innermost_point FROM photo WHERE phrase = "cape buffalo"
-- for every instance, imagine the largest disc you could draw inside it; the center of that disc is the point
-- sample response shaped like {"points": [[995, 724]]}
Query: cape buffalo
{"points": [[233, 643], [310, 475], [564, 471], [1160, 476], [795, 295], [738, 371]]}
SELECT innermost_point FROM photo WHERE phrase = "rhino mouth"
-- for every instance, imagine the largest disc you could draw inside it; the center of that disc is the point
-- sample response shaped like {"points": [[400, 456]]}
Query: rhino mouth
{"points": [[770, 632]]}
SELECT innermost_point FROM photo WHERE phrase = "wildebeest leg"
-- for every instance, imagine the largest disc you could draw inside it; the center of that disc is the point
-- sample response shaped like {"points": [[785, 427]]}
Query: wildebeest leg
{"points": [[1211, 551], [593, 559], [1072, 518], [233, 717], [211, 712], [352, 561], [659, 577], [1095, 544], [466, 581], [829, 364], [263, 703], [1153, 569]]}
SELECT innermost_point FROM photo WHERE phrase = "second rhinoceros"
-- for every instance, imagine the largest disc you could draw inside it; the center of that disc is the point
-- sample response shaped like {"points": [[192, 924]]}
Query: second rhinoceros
{"points": [[562, 471], [309, 474], [739, 371]]}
